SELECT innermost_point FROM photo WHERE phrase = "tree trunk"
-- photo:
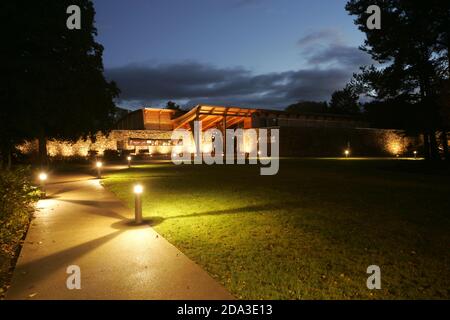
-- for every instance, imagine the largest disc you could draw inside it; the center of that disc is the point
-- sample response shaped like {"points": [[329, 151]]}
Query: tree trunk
{"points": [[434, 151], [444, 141], [8, 164], [426, 146], [43, 158]]}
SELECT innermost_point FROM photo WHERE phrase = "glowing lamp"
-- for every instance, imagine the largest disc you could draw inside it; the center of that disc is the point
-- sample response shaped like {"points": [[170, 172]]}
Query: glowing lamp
{"points": [[99, 165], [138, 189], [42, 176]]}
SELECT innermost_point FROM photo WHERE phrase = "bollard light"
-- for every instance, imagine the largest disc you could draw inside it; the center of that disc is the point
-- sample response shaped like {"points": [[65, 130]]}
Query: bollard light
{"points": [[347, 153], [99, 165], [42, 178], [415, 154], [138, 189], [129, 161]]}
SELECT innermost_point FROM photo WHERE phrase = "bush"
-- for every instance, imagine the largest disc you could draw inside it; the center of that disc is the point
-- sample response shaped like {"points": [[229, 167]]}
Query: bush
{"points": [[110, 154], [17, 198]]}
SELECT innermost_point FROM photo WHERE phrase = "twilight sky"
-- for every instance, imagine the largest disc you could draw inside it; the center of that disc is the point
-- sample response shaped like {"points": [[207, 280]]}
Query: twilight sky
{"points": [[248, 53]]}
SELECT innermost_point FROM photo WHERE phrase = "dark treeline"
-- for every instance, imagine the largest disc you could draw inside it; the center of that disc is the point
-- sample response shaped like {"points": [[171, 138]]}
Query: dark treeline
{"points": [[52, 83], [409, 89]]}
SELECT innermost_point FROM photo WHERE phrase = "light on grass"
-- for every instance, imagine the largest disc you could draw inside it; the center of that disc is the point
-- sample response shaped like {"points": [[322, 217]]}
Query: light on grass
{"points": [[129, 161]]}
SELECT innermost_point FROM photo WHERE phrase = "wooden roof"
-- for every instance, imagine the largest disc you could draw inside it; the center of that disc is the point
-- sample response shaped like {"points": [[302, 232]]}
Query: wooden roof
{"points": [[211, 115]]}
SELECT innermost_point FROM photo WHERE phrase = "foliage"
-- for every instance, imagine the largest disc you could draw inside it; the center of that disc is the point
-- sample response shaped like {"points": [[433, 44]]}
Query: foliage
{"points": [[173, 106], [412, 48], [344, 101], [308, 107], [111, 154], [17, 198], [16, 206], [54, 82]]}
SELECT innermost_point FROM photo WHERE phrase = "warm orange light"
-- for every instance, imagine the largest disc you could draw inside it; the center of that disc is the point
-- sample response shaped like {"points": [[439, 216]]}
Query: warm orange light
{"points": [[138, 189], [99, 164], [42, 176]]}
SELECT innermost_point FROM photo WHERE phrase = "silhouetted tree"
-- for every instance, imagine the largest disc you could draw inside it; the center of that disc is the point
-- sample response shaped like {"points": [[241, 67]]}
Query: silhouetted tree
{"points": [[412, 46], [173, 106], [57, 87], [308, 107], [344, 101]]}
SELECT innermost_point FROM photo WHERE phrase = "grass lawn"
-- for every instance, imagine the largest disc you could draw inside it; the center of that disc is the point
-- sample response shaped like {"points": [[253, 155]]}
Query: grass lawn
{"points": [[309, 232]]}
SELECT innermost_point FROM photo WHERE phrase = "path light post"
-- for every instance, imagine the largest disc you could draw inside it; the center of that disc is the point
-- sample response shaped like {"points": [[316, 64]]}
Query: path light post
{"points": [[415, 154], [347, 153], [129, 161], [138, 203], [99, 165], [42, 179]]}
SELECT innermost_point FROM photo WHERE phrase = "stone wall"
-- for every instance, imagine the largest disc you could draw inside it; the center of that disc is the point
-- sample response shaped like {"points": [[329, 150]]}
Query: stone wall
{"points": [[116, 139], [306, 141], [332, 142]]}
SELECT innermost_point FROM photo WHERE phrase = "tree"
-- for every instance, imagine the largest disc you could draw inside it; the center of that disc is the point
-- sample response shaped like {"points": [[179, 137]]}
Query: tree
{"points": [[57, 74], [173, 106], [308, 107], [412, 46], [344, 101]]}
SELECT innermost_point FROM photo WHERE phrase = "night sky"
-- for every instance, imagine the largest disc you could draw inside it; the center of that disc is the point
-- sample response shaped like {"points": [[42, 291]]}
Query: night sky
{"points": [[248, 53]]}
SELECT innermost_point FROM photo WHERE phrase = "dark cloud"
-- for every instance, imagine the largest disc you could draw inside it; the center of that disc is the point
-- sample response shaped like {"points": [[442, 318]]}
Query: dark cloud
{"points": [[325, 48], [332, 64], [339, 55], [320, 36]]}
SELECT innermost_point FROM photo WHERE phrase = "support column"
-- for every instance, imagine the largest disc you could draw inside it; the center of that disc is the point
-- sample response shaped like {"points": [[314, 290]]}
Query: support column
{"points": [[224, 133]]}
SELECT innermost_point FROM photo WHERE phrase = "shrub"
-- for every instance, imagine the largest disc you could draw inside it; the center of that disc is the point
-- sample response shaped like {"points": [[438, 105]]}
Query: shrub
{"points": [[17, 198], [110, 154]]}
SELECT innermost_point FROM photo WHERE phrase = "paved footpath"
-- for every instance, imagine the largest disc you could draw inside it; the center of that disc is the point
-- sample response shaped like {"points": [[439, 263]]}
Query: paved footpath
{"points": [[83, 224]]}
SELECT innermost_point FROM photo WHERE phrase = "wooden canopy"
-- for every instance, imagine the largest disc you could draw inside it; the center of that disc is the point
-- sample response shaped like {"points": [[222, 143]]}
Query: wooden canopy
{"points": [[212, 116]]}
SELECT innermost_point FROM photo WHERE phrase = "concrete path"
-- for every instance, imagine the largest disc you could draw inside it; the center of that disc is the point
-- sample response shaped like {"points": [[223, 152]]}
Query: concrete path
{"points": [[83, 224]]}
